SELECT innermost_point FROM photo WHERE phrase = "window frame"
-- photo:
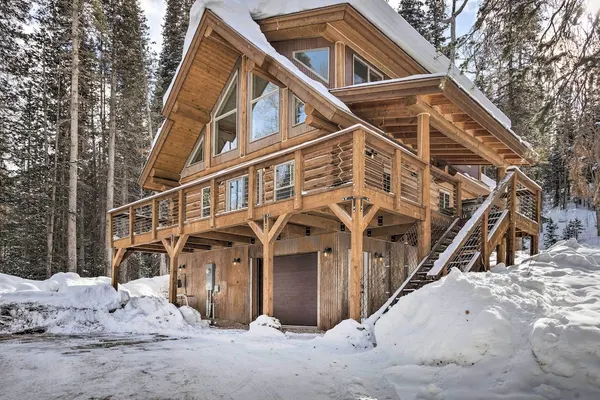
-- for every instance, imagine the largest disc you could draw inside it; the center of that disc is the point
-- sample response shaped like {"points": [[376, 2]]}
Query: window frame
{"points": [[325, 79], [234, 79], [291, 186], [294, 98], [202, 206], [201, 140], [228, 193], [252, 101], [442, 195], [369, 70]]}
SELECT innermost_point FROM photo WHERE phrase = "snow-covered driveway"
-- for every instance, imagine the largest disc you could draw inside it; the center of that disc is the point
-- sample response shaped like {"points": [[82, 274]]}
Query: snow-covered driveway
{"points": [[218, 365]]}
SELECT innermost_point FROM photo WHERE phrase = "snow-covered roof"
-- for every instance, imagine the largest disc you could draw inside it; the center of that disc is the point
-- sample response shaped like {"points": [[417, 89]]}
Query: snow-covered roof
{"points": [[242, 14]]}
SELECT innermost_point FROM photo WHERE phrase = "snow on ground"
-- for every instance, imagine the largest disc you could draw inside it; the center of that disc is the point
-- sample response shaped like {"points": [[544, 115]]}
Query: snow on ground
{"points": [[69, 304], [526, 332]]}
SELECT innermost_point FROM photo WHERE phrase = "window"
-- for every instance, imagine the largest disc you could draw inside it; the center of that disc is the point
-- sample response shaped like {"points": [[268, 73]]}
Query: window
{"points": [[226, 121], [265, 108], [237, 193], [284, 181], [444, 200], [198, 153], [316, 60], [363, 73], [299, 111], [205, 202]]}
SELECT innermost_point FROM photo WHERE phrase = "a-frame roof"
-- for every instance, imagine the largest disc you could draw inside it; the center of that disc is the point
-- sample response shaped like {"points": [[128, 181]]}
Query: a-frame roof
{"points": [[222, 31]]}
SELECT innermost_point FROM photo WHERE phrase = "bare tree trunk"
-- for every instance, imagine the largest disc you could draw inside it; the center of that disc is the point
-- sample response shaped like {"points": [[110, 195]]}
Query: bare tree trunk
{"points": [[73, 156], [110, 179], [124, 268], [598, 218], [164, 270]]}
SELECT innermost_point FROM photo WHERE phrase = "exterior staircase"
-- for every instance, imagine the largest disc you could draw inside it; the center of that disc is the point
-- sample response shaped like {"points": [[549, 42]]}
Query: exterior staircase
{"points": [[464, 242]]}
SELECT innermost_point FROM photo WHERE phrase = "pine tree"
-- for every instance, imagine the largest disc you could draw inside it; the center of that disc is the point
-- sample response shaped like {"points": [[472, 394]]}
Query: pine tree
{"points": [[412, 11], [550, 236], [573, 229], [436, 25]]}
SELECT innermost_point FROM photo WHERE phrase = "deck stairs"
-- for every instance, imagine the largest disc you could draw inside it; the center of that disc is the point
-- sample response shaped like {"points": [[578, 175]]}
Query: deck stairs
{"points": [[463, 242]]}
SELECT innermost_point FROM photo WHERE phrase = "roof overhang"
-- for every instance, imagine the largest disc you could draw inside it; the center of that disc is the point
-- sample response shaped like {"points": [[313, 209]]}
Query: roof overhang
{"points": [[461, 127]]}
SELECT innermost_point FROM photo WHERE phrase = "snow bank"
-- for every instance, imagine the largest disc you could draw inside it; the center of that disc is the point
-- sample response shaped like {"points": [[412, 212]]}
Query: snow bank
{"points": [[67, 303], [348, 333], [265, 326], [542, 316]]}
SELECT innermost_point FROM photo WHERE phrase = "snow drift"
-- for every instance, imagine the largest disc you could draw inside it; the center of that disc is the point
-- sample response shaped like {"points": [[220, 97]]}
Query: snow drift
{"points": [[67, 304], [543, 314]]}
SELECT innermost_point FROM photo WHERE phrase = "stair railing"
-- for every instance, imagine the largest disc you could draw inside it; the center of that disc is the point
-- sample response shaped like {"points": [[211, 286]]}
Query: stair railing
{"points": [[471, 241]]}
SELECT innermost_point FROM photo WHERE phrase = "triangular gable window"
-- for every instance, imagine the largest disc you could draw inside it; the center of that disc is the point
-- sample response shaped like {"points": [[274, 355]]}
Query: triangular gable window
{"points": [[198, 153]]}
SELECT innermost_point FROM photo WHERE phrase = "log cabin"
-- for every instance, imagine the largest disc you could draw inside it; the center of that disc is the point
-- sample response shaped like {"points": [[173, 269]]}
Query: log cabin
{"points": [[317, 164]]}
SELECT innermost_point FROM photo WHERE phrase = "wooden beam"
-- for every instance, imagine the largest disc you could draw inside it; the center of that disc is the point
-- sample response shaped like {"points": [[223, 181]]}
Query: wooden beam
{"points": [[397, 179], [366, 219], [183, 110], [251, 191], [298, 179], [455, 133], [358, 162], [342, 215], [356, 262], [174, 249], [511, 240], [117, 259], [315, 222], [278, 227], [319, 122]]}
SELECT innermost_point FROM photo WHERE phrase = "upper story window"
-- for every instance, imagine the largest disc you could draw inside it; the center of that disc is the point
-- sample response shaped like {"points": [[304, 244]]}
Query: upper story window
{"points": [[198, 153], [444, 200], [316, 60], [284, 181], [363, 73], [264, 106], [298, 109], [206, 202], [237, 193], [226, 120]]}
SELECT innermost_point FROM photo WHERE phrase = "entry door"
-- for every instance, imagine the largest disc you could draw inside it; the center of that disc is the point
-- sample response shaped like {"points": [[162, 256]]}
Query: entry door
{"points": [[295, 291]]}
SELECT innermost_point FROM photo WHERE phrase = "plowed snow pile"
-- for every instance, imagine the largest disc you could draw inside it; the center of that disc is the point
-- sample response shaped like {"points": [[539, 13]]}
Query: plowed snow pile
{"points": [[68, 304], [537, 323]]}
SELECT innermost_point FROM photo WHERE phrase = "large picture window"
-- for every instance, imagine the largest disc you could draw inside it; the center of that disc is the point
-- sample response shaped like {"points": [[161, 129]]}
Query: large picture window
{"points": [[237, 193], [363, 73], [284, 181], [264, 108], [316, 60], [226, 120]]}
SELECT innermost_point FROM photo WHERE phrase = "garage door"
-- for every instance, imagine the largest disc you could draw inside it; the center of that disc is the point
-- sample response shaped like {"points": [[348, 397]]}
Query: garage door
{"points": [[295, 289]]}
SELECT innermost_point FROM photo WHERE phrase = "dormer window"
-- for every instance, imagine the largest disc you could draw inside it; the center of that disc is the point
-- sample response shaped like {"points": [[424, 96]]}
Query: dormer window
{"points": [[226, 120], [364, 73], [316, 60], [264, 106]]}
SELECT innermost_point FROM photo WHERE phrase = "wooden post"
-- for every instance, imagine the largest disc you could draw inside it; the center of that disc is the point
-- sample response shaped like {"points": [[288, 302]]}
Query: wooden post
{"points": [[118, 256], [155, 212], [535, 245], [131, 224], [181, 216], [285, 114], [267, 236], [397, 179], [485, 254], [356, 261], [243, 107], [298, 179], [458, 200], [110, 237], [340, 64], [501, 249], [358, 162], [423, 148], [251, 191], [174, 249], [512, 227]]}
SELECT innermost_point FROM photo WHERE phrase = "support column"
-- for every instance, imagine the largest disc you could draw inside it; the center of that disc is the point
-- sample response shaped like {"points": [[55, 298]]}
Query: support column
{"points": [[501, 249], [267, 236], [174, 247], [423, 149], [511, 239], [340, 64], [118, 256]]}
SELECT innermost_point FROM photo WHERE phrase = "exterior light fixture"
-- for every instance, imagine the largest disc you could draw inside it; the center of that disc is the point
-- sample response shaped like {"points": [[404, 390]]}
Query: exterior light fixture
{"points": [[327, 252], [182, 266], [237, 261], [378, 256]]}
